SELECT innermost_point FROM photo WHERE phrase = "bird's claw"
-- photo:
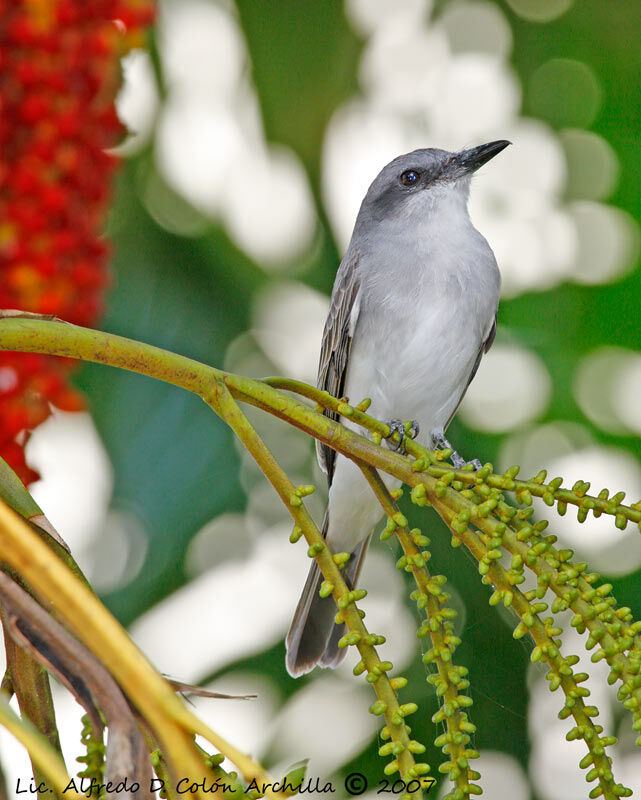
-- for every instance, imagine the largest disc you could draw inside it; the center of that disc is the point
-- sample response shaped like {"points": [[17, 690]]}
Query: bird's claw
{"points": [[398, 426], [458, 461], [413, 431]]}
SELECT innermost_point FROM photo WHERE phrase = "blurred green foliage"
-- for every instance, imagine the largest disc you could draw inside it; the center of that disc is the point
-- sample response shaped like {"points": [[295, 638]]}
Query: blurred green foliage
{"points": [[175, 464]]}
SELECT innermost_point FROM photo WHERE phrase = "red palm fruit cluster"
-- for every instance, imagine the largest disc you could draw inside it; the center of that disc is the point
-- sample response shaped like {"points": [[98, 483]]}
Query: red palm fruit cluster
{"points": [[59, 75]]}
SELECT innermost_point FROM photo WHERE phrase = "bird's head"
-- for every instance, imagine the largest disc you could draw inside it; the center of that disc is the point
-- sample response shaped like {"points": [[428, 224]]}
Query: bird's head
{"points": [[416, 182]]}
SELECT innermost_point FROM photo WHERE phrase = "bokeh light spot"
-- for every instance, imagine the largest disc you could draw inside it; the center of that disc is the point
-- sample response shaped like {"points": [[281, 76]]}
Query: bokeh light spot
{"points": [[477, 94], [514, 202], [246, 723], [601, 390], [539, 446], [309, 717], [626, 393], [118, 553], [77, 479], [608, 242], [540, 10], [267, 204], [195, 143], [288, 320], [369, 15], [511, 387], [359, 141], [402, 66], [202, 49], [248, 603], [498, 771], [210, 145], [224, 538], [137, 100], [565, 92], [592, 165], [169, 208], [476, 27]]}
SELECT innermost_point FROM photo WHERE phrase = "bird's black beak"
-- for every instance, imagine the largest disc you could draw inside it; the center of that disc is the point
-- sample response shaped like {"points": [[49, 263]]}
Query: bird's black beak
{"points": [[470, 160]]}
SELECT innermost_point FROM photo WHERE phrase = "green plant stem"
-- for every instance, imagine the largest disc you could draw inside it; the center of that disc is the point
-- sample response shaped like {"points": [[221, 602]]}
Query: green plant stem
{"points": [[458, 496], [550, 492], [14, 494], [553, 492], [560, 668], [593, 611], [611, 629], [59, 338], [455, 716], [34, 334], [222, 402], [31, 686], [54, 337]]}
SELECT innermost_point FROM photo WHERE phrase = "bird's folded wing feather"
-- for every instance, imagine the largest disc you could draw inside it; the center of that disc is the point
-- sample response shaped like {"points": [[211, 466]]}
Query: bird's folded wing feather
{"points": [[335, 346]]}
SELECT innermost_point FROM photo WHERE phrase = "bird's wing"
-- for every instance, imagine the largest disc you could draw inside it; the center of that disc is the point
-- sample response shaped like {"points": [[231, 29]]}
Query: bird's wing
{"points": [[483, 349], [335, 347]]}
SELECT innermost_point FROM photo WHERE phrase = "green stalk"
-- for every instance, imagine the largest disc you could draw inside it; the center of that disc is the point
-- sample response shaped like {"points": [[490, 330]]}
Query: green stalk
{"points": [[450, 679], [222, 402]]}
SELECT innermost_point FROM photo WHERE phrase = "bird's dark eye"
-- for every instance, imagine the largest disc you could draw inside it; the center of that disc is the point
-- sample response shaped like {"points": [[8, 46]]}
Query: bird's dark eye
{"points": [[409, 177]]}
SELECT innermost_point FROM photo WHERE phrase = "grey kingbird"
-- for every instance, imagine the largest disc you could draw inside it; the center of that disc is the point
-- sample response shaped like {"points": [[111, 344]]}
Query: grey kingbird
{"points": [[412, 311]]}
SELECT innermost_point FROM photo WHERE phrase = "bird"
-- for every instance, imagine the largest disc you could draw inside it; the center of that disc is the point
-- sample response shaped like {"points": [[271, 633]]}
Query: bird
{"points": [[412, 311]]}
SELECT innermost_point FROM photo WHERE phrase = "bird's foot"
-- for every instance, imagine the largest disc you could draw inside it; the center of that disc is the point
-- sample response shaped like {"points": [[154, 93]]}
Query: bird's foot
{"points": [[458, 461], [461, 463], [410, 430]]}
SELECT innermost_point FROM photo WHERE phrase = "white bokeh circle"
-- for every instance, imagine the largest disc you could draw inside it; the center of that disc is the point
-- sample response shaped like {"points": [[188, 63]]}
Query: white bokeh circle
{"points": [[511, 387], [288, 319], [605, 388]]}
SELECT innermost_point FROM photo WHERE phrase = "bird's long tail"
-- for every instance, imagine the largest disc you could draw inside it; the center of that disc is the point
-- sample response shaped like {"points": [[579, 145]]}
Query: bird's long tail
{"points": [[313, 635]]}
